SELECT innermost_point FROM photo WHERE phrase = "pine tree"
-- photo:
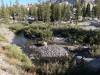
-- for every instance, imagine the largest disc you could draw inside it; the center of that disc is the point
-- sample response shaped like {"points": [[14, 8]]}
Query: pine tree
{"points": [[88, 10], [39, 12], [94, 11], [57, 12], [3, 10], [84, 11], [52, 12], [98, 8], [46, 12], [78, 10], [68, 12], [17, 7], [34, 11], [22, 13], [63, 8]]}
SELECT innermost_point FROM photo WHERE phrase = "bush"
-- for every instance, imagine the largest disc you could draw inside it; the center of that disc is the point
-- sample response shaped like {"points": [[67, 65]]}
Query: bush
{"points": [[95, 50], [38, 33], [17, 28], [14, 51], [79, 35]]}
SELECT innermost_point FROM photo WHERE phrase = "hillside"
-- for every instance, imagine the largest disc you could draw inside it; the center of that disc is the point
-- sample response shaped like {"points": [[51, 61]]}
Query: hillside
{"points": [[12, 60]]}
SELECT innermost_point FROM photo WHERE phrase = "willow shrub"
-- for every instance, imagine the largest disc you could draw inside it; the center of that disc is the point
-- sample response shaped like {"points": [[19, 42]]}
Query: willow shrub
{"points": [[79, 35], [42, 33]]}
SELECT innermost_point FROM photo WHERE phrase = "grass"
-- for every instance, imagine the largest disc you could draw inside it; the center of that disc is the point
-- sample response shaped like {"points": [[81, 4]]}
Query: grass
{"points": [[15, 52], [52, 69], [2, 38], [96, 50]]}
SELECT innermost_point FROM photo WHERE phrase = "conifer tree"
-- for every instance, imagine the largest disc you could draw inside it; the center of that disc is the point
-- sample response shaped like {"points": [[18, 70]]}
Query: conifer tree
{"points": [[3, 10], [88, 10], [46, 12], [52, 12], [98, 8], [84, 11], [39, 15], [68, 12], [94, 11], [57, 12], [34, 11], [78, 10]]}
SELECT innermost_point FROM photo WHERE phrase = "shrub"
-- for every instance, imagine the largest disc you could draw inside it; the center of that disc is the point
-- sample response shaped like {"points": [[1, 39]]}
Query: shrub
{"points": [[96, 50], [17, 28], [38, 32], [79, 35], [14, 51]]}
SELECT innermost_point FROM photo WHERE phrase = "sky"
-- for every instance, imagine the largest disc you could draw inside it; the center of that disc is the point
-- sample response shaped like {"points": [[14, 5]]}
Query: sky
{"points": [[20, 1]]}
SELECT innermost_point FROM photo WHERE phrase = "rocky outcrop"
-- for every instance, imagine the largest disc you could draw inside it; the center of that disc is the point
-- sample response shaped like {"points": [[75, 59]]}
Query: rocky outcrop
{"points": [[50, 51]]}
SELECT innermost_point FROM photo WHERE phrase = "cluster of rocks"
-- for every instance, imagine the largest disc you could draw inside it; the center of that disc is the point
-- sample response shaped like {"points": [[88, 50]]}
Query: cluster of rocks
{"points": [[50, 51]]}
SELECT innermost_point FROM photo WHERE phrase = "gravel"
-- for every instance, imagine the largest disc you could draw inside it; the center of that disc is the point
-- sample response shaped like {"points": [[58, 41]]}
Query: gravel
{"points": [[50, 51]]}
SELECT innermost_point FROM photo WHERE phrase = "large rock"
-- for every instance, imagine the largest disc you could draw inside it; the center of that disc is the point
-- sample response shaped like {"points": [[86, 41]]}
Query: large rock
{"points": [[94, 65], [50, 51]]}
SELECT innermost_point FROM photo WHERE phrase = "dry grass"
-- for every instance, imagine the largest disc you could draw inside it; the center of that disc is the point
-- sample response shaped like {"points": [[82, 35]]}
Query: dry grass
{"points": [[31, 71], [2, 38], [2, 51], [13, 61]]}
